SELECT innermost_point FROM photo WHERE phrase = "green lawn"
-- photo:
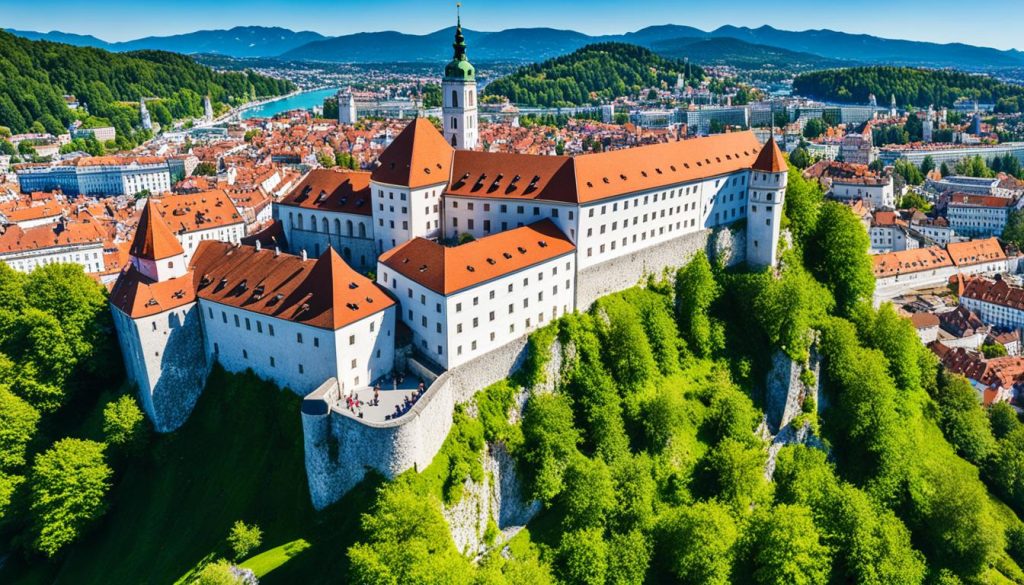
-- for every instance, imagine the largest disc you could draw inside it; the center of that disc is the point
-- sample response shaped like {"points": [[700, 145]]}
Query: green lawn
{"points": [[239, 457]]}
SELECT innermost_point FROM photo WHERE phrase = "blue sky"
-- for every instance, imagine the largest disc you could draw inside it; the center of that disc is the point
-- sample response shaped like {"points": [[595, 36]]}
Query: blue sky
{"points": [[935, 20]]}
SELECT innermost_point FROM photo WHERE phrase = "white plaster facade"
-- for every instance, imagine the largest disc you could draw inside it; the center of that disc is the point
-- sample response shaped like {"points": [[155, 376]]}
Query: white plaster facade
{"points": [[401, 214], [456, 328], [767, 195], [298, 356], [89, 255]]}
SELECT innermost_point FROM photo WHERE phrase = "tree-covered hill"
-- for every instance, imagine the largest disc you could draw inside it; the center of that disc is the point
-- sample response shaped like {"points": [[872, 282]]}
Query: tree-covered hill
{"points": [[35, 75], [591, 75], [915, 87], [741, 54]]}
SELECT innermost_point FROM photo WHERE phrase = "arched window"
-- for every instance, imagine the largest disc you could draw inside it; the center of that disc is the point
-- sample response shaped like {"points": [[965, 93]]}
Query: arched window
{"points": [[469, 99], [312, 224], [362, 230], [455, 123], [455, 142], [337, 226], [299, 223], [346, 253], [455, 99], [348, 226], [326, 226]]}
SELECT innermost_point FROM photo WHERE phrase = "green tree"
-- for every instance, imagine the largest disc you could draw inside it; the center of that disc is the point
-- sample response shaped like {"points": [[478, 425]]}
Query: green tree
{"points": [[800, 158], [964, 424], [18, 422], [784, 547], [244, 538], [814, 128], [697, 543], [68, 483], [696, 290], [628, 557], [803, 204], [1003, 419], [1013, 231], [738, 472], [550, 438], [217, 573], [589, 494], [839, 256], [993, 350], [583, 557], [788, 307]]}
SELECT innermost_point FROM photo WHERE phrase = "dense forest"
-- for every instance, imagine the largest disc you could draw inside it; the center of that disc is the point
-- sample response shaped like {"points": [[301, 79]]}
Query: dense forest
{"points": [[35, 75], [591, 75], [912, 87]]}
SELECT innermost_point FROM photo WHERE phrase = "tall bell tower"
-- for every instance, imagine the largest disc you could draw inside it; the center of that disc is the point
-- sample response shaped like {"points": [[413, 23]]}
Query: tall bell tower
{"points": [[458, 96]]}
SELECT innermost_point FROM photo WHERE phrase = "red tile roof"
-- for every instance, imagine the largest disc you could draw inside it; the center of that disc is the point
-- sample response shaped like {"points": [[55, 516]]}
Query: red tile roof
{"points": [[324, 293], [329, 190], [418, 157], [909, 261], [199, 211], [980, 200], [153, 240], [770, 159], [447, 270], [975, 252], [617, 172], [513, 176], [997, 292], [138, 296]]}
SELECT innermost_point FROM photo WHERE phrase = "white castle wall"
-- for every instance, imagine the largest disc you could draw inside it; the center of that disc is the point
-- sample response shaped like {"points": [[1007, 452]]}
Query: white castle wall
{"points": [[164, 358], [623, 272]]}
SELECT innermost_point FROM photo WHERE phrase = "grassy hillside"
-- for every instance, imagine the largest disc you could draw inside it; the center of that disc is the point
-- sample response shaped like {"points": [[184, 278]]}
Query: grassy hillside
{"points": [[740, 54], [239, 457]]}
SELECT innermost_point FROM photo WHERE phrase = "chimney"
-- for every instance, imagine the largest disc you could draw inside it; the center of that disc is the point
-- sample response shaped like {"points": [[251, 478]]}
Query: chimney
{"points": [[304, 255], [277, 251], [258, 245]]}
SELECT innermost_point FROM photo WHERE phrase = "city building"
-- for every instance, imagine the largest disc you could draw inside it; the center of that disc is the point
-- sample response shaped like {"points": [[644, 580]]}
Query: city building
{"points": [[195, 217], [97, 175], [346, 107], [995, 301], [978, 215]]}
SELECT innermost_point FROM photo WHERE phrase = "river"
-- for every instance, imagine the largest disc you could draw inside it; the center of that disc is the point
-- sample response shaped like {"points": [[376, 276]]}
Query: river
{"points": [[301, 101]]}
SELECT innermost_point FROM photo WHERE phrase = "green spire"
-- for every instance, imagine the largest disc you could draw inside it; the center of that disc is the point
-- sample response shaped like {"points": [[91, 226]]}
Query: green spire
{"points": [[459, 68]]}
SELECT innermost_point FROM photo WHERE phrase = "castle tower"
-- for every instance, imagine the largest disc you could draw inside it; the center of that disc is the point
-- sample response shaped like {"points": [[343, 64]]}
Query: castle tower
{"points": [[767, 194], [346, 107], [146, 120], [158, 326], [207, 109], [155, 252], [458, 96], [928, 125]]}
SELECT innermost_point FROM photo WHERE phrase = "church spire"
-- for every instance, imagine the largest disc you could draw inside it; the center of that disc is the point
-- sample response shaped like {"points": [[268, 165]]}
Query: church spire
{"points": [[460, 41]]}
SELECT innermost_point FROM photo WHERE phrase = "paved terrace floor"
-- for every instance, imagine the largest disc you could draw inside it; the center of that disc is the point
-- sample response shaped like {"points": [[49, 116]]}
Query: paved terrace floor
{"points": [[391, 395]]}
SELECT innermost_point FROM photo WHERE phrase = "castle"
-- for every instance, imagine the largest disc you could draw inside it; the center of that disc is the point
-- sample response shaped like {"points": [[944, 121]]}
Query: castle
{"points": [[548, 235]]}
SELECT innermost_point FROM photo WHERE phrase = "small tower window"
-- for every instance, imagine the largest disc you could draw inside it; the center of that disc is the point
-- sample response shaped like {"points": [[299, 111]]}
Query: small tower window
{"points": [[455, 123], [455, 99]]}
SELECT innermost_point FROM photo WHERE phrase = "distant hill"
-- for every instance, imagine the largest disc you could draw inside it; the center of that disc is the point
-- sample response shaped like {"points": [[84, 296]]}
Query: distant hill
{"points": [[916, 87], [37, 74], [533, 44], [741, 54], [241, 41], [592, 74]]}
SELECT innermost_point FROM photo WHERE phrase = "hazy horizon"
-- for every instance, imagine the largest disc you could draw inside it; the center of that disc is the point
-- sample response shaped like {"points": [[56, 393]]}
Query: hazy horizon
{"points": [[941, 21]]}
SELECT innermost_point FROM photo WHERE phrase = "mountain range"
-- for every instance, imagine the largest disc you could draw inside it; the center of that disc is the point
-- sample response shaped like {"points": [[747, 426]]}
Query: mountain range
{"points": [[240, 41], [743, 45]]}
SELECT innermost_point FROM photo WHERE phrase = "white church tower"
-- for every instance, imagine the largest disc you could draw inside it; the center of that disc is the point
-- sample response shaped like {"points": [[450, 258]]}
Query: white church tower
{"points": [[458, 97], [346, 107], [767, 194]]}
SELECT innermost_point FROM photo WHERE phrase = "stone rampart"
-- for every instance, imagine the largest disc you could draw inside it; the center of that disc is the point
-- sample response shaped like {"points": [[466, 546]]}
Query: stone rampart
{"points": [[626, 271], [340, 448]]}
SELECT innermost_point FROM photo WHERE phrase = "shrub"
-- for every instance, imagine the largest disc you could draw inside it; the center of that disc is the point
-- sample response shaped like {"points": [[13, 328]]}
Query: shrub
{"points": [[244, 538]]}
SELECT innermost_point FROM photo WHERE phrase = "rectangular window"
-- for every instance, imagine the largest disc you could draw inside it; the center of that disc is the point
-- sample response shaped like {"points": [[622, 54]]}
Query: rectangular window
{"points": [[298, 337]]}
